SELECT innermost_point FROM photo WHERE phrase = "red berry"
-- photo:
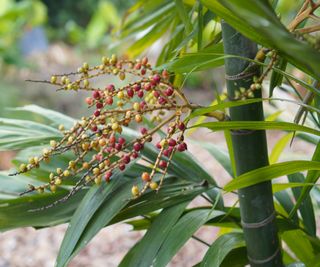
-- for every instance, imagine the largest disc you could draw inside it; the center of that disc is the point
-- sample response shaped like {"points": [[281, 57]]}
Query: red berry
{"points": [[144, 61], [182, 147], [165, 74], [94, 128], [112, 139], [99, 105], [96, 95], [130, 92], [143, 104], [98, 157], [137, 87], [122, 167], [137, 146], [166, 152], [163, 164], [110, 87], [126, 159], [158, 145], [140, 94], [143, 131], [109, 100], [181, 126], [118, 146], [143, 71], [169, 91], [156, 93], [137, 66], [107, 176], [147, 86], [135, 155], [121, 140], [156, 78], [96, 113], [162, 100], [172, 142], [146, 177]]}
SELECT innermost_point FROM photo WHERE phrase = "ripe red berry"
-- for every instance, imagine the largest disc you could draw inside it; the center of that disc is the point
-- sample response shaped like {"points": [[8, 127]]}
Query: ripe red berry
{"points": [[156, 78], [112, 139], [94, 128], [137, 87], [165, 74], [172, 142], [137, 66], [169, 91], [166, 152], [118, 146], [99, 105], [181, 126], [143, 104], [162, 100], [135, 155], [96, 95], [158, 145], [130, 92], [163, 164], [143, 71], [121, 140], [109, 100], [96, 113], [122, 167], [143, 131], [126, 159], [140, 94], [182, 147], [137, 146]]}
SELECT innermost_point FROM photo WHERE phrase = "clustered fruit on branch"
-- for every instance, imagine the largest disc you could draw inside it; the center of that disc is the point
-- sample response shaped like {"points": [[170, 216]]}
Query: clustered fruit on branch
{"points": [[97, 143]]}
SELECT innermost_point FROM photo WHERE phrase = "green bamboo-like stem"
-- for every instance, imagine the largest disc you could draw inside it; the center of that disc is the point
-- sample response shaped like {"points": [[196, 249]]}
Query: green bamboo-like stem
{"points": [[250, 152]]}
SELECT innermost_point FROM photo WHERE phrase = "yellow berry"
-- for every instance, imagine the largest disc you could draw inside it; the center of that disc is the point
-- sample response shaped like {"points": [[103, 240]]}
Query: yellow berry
{"points": [[96, 171], [122, 76], [85, 165], [53, 143], [115, 126], [135, 191], [153, 185], [58, 181], [72, 163], [66, 173], [40, 190], [85, 83], [120, 94], [136, 106], [85, 66], [98, 180], [138, 118], [53, 79], [53, 188], [23, 167], [61, 127], [59, 171]]}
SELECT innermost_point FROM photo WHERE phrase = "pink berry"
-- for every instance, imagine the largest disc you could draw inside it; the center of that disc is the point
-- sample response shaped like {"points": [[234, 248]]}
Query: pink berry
{"points": [[109, 100], [156, 93], [118, 146], [143, 131], [147, 86], [110, 87], [107, 176], [156, 78], [162, 100], [135, 155], [137, 66], [182, 147], [137, 146], [126, 159], [89, 101]]}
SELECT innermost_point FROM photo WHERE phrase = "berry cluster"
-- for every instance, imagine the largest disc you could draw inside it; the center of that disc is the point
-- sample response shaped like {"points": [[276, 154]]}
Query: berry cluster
{"points": [[97, 142]]}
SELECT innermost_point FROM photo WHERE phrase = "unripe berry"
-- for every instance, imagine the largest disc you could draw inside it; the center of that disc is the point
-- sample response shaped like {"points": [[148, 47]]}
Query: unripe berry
{"points": [[86, 83], [122, 76], [138, 118], [165, 74], [89, 101], [66, 173], [109, 100], [61, 127], [96, 171], [102, 142], [40, 190], [137, 66], [145, 177], [135, 191], [53, 79], [115, 126], [53, 188], [97, 180], [23, 167], [120, 94], [58, 181], [136, 106], [85, 165], [144, 61], [153, 185]]}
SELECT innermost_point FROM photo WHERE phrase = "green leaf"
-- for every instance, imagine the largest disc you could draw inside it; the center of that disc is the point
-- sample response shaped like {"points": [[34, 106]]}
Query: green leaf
{"points": [[144, 252], [256, 125], [183, 14], [181, 232], [270, 172], [306, 208], [279, 147], [89, 217], [220, 249], [276, 77]]}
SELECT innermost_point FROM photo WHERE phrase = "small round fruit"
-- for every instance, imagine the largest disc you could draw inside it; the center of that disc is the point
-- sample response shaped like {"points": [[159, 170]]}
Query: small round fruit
{"points": [[135, 191], [153, 185], [145, 177]]}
